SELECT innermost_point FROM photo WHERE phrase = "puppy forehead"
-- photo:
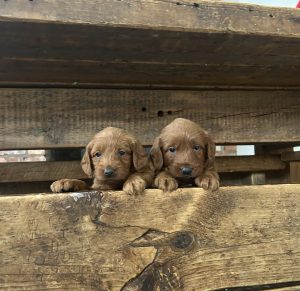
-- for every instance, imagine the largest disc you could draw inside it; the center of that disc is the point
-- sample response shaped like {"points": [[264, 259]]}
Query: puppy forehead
{"points": [[183, 138], [183, 131], [113, 138]]}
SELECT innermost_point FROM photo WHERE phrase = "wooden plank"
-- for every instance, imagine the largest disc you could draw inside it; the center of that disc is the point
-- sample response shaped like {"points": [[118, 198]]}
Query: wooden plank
{"points": [[25, 187], [50, 171], [159, 14], [187, 240], [93, 74], [290, 156], [157, 43], [44, 118], [295, 172]]}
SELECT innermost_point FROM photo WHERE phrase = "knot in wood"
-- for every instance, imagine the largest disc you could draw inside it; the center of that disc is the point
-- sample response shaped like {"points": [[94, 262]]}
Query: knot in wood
{"points": [[183, 240]]}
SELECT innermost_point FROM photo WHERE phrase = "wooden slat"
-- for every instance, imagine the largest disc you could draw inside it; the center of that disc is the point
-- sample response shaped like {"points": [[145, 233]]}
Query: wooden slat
{"points": [[290, 156], [153, 43], [187, 240], [295, 172], [11, 188], [43, 118], [50, 171]]}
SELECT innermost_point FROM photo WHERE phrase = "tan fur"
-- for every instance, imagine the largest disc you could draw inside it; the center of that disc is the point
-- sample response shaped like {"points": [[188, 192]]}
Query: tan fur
{"points": [[193, 149], [133, 170]]}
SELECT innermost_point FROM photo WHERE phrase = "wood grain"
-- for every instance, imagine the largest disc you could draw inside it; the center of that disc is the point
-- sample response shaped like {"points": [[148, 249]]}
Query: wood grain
{"points": [[187, 240], [50, 171], [45, 118], [148, 43]]}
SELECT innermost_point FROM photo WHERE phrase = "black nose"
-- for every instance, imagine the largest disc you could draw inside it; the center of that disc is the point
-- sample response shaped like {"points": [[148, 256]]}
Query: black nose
{"points": [[186, 171], [109, 172]]}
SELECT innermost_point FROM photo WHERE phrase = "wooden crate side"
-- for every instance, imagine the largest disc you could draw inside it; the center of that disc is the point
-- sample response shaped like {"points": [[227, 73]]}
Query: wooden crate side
{"points": [[45, 118], [187, 240]]}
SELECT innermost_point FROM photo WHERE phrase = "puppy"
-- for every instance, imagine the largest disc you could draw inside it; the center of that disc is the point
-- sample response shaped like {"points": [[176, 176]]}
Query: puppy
{"points": [[183, 154], [115, 160]]}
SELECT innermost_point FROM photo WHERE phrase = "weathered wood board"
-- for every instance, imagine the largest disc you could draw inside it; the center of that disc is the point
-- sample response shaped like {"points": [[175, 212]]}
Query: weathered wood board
{"points": [[45, 118], [50, 171], [148, 43], [187, 240]]}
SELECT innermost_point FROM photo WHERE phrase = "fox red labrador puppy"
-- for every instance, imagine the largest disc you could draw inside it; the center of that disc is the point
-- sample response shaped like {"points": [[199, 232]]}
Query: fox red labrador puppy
{"points": [[114, 159], [183, 154]]}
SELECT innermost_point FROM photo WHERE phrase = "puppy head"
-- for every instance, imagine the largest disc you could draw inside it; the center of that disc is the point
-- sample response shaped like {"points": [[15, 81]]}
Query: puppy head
{"points": [[112, 155], [183, 149]]}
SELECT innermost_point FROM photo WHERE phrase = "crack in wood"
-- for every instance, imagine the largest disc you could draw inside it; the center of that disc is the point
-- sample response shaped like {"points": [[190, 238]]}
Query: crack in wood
{"points": [[160, 272]]}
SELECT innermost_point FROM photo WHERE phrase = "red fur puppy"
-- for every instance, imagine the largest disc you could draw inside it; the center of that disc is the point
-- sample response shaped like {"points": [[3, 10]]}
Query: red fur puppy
{"points": [[114, 159], [183, 153]]}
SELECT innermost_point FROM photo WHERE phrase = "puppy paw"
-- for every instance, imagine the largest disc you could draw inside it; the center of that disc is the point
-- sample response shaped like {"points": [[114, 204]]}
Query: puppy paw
{"points": [[167, 184], [134, 186], [208, 182], [68, 185]]}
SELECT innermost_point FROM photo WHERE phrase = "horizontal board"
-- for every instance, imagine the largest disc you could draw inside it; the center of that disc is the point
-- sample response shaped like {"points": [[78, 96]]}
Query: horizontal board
{"points": [[236, 237], [94, 74], [45, 118], [157, 43], [50, 171], [290, 156], [25, 188]]}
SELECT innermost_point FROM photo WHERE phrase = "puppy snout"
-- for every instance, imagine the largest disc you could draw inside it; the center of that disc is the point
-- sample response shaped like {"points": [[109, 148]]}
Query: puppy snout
{"points": [[109, 172], [187, 171]]}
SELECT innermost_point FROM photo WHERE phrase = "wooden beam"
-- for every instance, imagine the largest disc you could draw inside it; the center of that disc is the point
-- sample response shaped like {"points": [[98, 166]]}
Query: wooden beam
{"points": [[148, 43], [50, 171], [46, 118], [187, 240]]}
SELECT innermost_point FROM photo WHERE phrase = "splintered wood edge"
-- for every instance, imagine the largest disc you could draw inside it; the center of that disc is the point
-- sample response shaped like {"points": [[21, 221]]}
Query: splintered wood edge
{"points": [[186, 240]]}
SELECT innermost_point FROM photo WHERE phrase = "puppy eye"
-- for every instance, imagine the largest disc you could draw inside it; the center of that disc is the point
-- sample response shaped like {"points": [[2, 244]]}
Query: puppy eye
{"points": [[97, 154], [121, 152], [197, 148], [172, 149]]}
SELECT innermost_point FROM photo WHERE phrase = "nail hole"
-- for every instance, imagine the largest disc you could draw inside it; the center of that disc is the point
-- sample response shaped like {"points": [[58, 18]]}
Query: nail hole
{"points": [[144, 109], [271, 15], [178, 3], [160, 113], [196, 5]]}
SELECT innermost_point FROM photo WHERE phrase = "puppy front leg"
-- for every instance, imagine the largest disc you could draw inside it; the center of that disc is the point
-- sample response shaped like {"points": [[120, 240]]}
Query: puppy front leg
{"points": [[209, 180], [137, 182], [165, 182], [68, 185]]}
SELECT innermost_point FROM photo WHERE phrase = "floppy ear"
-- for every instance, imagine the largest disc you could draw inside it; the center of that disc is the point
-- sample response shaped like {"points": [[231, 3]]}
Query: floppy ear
{"points": [[156, 154], [139, 156], [210, 151], [86, 161]]}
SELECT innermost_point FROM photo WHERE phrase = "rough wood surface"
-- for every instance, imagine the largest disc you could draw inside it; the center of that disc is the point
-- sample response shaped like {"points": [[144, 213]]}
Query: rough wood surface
{"points": [[43, 118], [187, 240], [110, 42], [50, 171]]}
